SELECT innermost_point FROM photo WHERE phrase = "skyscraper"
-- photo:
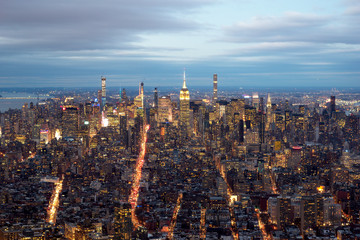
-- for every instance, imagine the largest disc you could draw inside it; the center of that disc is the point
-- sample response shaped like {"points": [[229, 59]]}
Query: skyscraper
{"points": [[139, 99], [123, 96], [255, 100], [99, 98], [214, 90], [156, 98], [69, 121], [184, 109], [165, 109], [142, 94], [268, 102], [103, 92], [123, 129], [332, 105], [261, 105], [268, 113], [241, 131], [262, 127]]}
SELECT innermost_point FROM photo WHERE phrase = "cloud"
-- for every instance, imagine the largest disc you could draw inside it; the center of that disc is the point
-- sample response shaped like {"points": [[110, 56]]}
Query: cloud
{"points": [[81, 25], [295, 26], [76, 40], [316, 63], [352, 7]]}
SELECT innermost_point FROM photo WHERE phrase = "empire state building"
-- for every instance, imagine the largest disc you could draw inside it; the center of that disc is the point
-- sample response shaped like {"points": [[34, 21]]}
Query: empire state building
{"points": [[184, 110]]}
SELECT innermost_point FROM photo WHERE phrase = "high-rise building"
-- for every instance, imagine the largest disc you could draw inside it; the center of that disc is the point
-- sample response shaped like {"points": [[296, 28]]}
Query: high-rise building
{"points": [[272, 205], [142, 94], [156, 98], [255, 100], [123, 96], [268, 113], [332, 212], [44, 136], [241, 131], [184, 122], [103, 92], [113, 117], [215, 97], [294, 160], [69, 121], [261, 105], [123, 129], [120, 94], [165, 109], [122, 221], [268, 102], [99, 98], [288, 120], [139, 99], [284, 211], [308, 212], [262, 127], [332, 105]]}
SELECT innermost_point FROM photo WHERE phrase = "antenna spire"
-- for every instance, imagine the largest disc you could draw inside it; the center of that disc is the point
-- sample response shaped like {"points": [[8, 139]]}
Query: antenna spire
{"points": [[184, 84]]}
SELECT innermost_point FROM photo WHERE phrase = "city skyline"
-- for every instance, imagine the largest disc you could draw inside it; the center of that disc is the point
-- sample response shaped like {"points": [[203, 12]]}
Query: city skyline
{"points": [[247, 43], [217, 165]]}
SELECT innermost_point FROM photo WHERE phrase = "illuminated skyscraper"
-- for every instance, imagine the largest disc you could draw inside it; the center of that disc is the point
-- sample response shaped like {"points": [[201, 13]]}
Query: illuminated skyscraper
{"points": [[139, 99], [268, 102], [103, 92], [184, 109], [214, 90]]}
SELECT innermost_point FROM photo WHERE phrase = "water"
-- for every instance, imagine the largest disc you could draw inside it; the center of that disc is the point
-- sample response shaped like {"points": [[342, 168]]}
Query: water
{"points": [[6, 104]]}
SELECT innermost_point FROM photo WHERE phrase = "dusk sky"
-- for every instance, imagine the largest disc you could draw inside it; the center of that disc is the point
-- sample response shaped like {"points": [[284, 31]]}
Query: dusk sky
{"points": [[72, 43]]}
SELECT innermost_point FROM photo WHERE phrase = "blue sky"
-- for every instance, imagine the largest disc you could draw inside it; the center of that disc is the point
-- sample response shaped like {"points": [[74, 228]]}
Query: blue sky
{"points": [[246, 42]]}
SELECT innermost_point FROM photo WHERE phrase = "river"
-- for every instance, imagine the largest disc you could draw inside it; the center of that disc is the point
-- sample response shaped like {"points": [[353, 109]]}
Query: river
{"points": [[6, 104]]}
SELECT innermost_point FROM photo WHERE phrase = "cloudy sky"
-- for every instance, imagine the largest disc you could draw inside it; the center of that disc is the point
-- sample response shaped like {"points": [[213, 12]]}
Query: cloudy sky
{"points": [[246, 42]]}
